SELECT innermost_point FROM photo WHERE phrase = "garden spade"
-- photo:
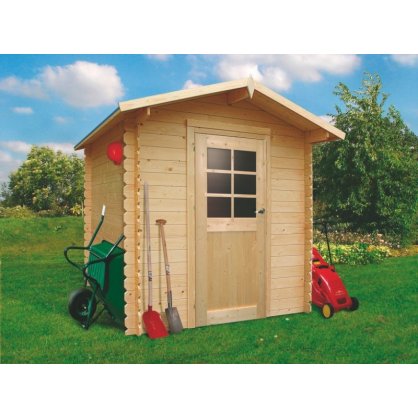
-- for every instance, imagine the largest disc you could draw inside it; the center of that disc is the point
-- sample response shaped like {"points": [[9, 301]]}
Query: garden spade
{"points": [[154, 326], [174, 322]]}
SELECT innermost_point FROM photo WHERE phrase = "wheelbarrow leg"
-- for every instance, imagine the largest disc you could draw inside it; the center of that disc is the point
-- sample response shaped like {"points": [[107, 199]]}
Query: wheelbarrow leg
{"points": [[88, 321]]}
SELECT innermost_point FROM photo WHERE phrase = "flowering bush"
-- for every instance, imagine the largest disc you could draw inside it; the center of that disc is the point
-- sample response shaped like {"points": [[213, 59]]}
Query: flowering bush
{"points": [[356, 253], [16, 212], [348, 237]]}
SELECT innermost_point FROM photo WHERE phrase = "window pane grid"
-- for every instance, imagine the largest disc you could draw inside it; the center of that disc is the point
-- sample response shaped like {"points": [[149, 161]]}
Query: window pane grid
{"points": [[222, 201]]}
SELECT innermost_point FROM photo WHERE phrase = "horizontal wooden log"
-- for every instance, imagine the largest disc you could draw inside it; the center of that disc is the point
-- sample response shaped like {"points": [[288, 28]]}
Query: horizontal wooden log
{"points": [[285, 282], [280, 250], [288, 292], [287, 261]]}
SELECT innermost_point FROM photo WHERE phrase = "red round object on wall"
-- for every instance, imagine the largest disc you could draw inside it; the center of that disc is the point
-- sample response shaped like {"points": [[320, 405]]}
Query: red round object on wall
{"points": [[115, 152]]}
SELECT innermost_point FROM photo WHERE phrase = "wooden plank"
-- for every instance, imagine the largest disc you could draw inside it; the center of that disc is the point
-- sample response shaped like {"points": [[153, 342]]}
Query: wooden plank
{"points": [[267, 231], [317, 135], [287, 152], [169, 192], [308, 226], [178, 231], [287, 271], [191, 228], [287, 261], [167, 205], [222, 316], [292, 163], [163, 128], [174, 255], [238, 95], [288, 303], [163, 179], [293, 185], [161, 153], [288, 141], [229, 127], [165, 141], [287, 292], [297, 110], [290, 239], [172, 218], [158, 166], [286, 282], [182, 95], [287, 196], [214, 112], [288, 174], [286, 311], [290, 207], [279, 250], [201, 236], [232, 270], [158, 268], [284, 229], [287, 218]]}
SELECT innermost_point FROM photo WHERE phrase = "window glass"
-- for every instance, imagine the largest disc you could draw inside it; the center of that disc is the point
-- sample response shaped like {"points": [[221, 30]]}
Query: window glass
{"points": [[245, 161], [244, 207], [219, 207], [219, 183], [244, 184], [219, 159]]}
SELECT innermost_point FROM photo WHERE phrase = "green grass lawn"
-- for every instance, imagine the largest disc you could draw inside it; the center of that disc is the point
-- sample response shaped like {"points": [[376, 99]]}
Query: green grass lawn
{"points": [[36, 327]]}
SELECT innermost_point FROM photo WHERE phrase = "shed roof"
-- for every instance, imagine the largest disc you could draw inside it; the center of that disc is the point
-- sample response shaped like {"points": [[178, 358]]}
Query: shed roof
{"points": [[261, 96]]}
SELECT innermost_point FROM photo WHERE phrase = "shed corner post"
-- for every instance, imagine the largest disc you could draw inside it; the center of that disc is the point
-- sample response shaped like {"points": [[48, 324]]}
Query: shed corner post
{"points": [[131, 215], [308, 197], [87, 197], [191, 231]]}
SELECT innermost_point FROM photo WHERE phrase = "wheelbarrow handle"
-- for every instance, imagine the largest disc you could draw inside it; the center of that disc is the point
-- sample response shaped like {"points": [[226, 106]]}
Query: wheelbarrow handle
{"points": [[88, 264], [78, 266], [120, 239]]}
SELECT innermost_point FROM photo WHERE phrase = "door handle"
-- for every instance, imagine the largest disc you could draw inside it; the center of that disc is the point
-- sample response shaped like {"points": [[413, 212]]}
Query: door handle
{"points": [[260, 211]]}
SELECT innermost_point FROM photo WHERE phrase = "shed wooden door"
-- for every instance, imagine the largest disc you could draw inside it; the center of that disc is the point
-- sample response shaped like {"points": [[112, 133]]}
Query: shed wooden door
{"points": [[230, 234]]}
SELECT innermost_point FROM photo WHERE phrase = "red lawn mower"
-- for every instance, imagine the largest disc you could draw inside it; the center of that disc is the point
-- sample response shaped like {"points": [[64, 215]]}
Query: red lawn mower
{"points": [[328, 290]]}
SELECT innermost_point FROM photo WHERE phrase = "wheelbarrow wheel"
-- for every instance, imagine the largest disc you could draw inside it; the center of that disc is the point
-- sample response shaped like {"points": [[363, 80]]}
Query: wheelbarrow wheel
{"points": [[327, 311], [78, 304], [354, 304]]}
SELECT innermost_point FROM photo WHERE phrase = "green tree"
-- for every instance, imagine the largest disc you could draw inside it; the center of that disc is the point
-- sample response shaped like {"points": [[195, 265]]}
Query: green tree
{"points": [[370, 179], [47, 180]]}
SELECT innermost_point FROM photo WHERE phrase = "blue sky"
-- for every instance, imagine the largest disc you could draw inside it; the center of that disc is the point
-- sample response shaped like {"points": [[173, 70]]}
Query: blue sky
{"points": [[56, 100]]}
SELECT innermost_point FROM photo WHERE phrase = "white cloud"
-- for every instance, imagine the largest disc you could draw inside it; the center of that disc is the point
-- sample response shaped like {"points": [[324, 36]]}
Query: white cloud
{"points": [[81, 84], [16, 146], [84, 84], [29, 88], [6, 167], [5, 157], [408, 60], [189, 84], [160, 57], [25, 147], [23, 110], [66, 148], [280, 71], [62, 120]]}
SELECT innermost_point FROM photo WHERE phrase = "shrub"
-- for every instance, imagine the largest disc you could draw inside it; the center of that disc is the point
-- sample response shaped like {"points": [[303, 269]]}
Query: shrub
{"points": [[76, 210], [354, 254], [16, 212]]}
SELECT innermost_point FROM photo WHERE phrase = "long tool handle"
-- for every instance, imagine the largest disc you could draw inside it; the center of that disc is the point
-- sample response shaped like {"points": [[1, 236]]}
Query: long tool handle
{"points": [[148, 236], [161, 223]]}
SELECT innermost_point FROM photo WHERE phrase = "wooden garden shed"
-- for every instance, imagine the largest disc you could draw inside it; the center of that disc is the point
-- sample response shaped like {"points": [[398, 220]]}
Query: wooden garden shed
{"points": [[229, 166]]}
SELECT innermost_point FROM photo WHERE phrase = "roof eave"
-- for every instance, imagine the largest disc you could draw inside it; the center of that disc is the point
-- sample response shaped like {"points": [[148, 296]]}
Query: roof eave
{"points": [[89, 137]]}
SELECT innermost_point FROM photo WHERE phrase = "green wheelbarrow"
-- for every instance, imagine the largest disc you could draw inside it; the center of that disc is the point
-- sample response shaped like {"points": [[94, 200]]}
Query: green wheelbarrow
{"points": [[103, 281]]}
